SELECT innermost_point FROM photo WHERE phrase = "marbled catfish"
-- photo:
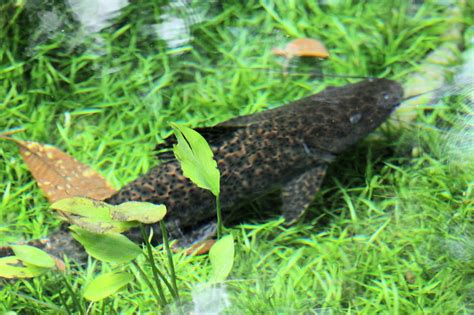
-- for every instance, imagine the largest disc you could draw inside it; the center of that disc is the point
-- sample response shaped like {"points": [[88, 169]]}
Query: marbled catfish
{"points": [[286, 148]]}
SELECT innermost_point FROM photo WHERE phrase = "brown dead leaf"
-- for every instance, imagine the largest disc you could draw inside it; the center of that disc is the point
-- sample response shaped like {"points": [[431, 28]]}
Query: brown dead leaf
{"points": [[59, 263], [303, 47], [59, 175], [200, 248], [410, 277]]}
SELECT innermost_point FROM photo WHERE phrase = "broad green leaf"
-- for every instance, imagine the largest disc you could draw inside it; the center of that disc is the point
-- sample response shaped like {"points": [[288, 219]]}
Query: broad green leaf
{"points": [[144, 212], [33, 256], [84, 207], [196, 158], [109, 247], [12, 267], [106, 285], [221, 256], [36, 270]]}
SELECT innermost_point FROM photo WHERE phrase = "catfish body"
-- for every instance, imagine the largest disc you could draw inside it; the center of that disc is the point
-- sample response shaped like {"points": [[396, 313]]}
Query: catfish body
{"points": [[286, 148]]}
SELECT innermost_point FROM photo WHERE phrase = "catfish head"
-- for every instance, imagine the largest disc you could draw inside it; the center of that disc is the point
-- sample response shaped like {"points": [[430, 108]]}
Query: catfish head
{"points": [[340, 116]]}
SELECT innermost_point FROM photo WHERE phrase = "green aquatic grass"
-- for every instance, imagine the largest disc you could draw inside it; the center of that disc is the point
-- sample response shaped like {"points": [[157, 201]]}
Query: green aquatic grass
{"points": [[391, 230]]}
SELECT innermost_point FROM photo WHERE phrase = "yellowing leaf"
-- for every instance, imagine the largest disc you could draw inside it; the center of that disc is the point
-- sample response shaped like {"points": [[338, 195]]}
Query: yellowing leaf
{"points": [[59, 175], [221, 256], [101, 226], [144, 212], [33, 256], [100, 217], [84, 207], [91, 215], [12, 267], [109, 247], [196, 158], [106, 285]]}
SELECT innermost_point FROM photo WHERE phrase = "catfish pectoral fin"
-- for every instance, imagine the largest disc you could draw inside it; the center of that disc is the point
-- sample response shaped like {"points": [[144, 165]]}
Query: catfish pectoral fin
{"points": [[201, 232], [298, 193]]}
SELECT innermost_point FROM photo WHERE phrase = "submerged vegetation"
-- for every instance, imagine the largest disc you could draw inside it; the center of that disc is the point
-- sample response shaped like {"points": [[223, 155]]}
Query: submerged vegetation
{"points": [[392, 229]]}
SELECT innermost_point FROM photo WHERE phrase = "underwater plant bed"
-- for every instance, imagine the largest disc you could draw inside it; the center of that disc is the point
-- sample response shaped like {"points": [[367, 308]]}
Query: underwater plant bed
{"points": [[391, 229]]}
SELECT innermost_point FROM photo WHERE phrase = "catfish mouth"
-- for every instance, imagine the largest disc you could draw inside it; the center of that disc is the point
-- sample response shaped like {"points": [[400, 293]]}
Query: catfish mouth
{"points": [[390, 93]]}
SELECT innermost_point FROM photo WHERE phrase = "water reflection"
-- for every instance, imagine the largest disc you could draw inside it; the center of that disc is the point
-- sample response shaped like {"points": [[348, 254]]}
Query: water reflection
{"points": [[176, 22], [174, 31], [51, 22], [82, 21], [96, 15]]}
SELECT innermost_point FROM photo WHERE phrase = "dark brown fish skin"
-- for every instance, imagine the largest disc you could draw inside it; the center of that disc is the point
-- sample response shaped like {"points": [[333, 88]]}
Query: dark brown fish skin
{"points": [[285, 148]]}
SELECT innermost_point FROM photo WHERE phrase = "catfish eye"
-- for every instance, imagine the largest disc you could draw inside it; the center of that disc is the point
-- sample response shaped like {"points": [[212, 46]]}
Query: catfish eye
{"points": [[355, 118]]}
